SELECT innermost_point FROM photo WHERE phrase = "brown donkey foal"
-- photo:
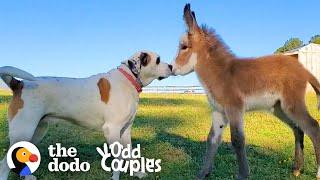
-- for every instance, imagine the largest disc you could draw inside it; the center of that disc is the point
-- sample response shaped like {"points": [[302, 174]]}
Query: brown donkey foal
{"points": [[233, 85]]}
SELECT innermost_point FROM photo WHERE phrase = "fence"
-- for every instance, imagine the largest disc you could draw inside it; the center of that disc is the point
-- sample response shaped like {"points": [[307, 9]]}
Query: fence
{"points": [[174, 89]]}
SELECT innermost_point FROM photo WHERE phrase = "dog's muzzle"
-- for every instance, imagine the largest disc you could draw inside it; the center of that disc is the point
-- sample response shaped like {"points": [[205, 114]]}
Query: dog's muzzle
{"points": [[160, 78]]}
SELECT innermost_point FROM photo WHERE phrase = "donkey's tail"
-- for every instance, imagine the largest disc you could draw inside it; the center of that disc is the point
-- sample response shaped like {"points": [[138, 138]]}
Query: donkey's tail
{"points": [[8, 74], [315, 85]]}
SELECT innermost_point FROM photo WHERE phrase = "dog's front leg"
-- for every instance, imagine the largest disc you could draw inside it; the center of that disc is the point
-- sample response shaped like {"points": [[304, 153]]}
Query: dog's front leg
{"points": [[112, 134], [30, 177], [214, 138], [125, 140], [4, 169]]}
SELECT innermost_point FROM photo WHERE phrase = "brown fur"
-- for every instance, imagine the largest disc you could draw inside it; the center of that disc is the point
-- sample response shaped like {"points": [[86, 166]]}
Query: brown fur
{"points": [[104, 88], [223, 73], [16, 102], [230, 80]]}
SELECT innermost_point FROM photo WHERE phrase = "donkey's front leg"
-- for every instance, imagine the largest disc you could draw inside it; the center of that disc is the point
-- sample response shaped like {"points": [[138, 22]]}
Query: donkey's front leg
{"points": [[214, 138], [235, 116]]}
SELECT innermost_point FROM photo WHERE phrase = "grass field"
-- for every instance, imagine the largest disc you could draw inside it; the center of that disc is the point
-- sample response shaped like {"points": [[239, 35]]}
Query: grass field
{"points": [[174, 128]]}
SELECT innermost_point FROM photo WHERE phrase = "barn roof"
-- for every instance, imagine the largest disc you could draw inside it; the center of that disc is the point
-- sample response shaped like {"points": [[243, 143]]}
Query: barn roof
{"points": [[309, 48]]}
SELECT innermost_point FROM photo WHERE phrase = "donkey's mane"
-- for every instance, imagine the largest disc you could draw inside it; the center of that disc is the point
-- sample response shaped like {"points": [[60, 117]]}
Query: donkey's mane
{"points": [[217, 47]]}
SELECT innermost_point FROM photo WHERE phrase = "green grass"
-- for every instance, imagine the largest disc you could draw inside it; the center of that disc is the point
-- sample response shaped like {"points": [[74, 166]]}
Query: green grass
{"points": [[4, 92], [174, 128]]}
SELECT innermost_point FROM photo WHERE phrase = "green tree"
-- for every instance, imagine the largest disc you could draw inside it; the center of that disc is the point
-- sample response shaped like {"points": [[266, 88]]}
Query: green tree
{"points": [[315, 39], [290, 44]]}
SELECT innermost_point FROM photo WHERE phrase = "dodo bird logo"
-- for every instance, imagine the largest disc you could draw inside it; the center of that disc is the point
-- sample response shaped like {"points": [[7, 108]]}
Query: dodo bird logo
{"points": [[23, 158]]}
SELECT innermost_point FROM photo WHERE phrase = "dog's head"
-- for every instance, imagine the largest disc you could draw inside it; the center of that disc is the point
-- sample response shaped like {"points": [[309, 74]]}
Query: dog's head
{"points": [[147, 66]]}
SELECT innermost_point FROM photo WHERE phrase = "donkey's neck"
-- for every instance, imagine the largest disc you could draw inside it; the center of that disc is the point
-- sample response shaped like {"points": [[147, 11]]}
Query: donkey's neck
{"points": [[213, 67]]}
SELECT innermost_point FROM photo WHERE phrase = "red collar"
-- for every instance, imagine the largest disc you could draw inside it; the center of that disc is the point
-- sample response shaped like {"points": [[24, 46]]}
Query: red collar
{"points": [[131, 79]]}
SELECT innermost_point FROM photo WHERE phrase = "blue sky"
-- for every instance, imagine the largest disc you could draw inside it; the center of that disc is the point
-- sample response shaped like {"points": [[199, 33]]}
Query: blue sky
{"points": [[78, 38]]}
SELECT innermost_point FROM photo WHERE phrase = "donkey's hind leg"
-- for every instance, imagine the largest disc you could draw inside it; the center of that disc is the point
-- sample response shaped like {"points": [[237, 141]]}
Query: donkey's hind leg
{"points": [[297, 111], [299, 137]]}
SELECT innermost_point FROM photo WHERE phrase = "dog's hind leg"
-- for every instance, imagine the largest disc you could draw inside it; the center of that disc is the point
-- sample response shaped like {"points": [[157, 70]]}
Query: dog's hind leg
{"points": [[219, 123], [299, 137], [41, 130], [21, 128]]}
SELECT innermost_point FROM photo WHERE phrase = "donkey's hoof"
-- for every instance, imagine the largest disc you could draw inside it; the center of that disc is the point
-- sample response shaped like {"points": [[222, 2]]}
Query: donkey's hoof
{"points": [[296, 173]]}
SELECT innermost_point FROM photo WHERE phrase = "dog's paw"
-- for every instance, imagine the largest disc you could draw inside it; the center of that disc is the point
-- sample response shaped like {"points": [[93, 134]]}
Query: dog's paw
{"points": [[140, 175], [115, 175], [204, 173], [201, 176], [30, 177]]}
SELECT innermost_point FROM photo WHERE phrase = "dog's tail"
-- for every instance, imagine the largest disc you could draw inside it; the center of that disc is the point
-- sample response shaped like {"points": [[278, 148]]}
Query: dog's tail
{"points": [[315, 85], [8, 74]]}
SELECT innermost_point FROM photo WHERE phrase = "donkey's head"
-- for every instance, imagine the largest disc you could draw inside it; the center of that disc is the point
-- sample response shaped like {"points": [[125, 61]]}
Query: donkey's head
{"points": [[189, 46], [197, 44]]}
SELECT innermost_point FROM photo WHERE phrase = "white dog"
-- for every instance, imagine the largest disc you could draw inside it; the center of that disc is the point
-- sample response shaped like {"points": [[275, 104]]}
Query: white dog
{"points": [[106, 102]]}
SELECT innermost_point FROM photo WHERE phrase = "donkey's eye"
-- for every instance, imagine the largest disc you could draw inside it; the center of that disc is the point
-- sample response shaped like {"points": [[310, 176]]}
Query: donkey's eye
{"points": [[183, 47], [158, 60]]}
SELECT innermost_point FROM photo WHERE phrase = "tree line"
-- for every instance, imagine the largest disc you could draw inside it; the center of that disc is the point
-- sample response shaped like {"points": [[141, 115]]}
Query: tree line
{"points": [[294, 43]]}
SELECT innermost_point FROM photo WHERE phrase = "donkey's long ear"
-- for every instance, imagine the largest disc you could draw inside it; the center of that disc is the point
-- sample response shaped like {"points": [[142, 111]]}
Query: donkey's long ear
{"points": [[190, 19]]}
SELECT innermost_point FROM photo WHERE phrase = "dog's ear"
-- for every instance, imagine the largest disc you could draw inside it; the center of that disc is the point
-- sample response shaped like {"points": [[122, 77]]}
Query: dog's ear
{"points": [[144, 59], [190, 19]]}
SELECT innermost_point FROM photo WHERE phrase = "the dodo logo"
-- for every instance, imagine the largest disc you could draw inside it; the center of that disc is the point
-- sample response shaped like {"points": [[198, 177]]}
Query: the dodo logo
{"points": [[23, 158]]}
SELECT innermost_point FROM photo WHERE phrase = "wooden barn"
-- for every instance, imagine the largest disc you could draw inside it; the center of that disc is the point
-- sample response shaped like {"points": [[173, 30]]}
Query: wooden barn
{"points": [[309, 56]]}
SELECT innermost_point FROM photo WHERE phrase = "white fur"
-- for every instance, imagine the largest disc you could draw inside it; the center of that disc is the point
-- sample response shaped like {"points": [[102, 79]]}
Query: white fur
{"points": [[260, 101], [79, 101], [318, 174], [184, 39], [188, 67], [192, 61], [218, 125]]}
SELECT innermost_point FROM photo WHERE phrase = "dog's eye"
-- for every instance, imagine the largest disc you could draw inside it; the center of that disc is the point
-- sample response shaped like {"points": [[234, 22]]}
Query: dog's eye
{"points": [[158, 60], [184, 47]]}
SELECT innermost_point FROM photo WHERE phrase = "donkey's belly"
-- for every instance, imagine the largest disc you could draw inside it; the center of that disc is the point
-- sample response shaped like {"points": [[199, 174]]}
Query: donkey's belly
{"points": [[261, 101]]}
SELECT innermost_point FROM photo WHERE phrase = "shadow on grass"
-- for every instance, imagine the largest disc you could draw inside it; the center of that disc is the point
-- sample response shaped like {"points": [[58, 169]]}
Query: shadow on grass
{"points": [[153, 101], [262, 161], [160, 122], [181, 157]]}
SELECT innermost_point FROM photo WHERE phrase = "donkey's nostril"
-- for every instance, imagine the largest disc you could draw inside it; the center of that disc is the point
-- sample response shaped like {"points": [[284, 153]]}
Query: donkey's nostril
{"points": [[170, 67]]}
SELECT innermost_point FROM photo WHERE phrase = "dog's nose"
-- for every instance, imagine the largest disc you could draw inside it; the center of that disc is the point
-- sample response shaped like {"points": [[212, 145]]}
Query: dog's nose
{"points": [[170, 67]]}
